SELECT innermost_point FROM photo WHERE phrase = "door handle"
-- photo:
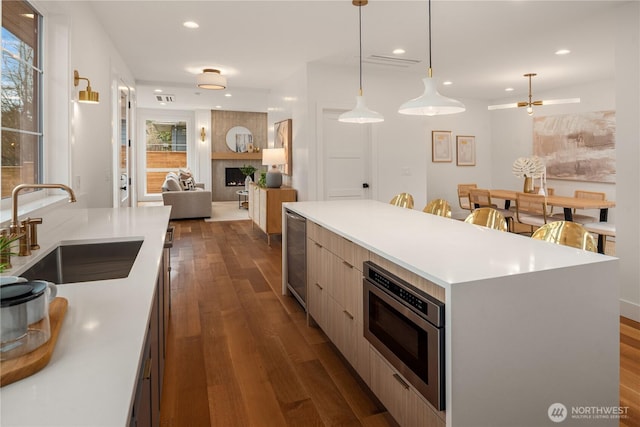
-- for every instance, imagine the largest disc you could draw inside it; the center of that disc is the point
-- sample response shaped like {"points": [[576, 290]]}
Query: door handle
{"points": [[365, 185], [401, 381]]}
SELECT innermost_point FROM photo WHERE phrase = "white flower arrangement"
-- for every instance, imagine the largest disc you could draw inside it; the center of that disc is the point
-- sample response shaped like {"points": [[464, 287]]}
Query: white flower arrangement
{"points": [[528, 167]]}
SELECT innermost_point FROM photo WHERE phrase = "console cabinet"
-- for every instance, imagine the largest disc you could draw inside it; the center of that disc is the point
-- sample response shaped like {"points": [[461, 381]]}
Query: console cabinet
{"points": [[265, 207]]}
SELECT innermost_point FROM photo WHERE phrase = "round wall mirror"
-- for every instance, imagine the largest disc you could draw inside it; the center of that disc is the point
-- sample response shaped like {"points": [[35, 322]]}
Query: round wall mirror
{"points": [[239, 138]]}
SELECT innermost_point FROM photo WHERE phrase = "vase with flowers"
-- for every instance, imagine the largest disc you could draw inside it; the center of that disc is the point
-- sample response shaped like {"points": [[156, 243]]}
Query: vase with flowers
{"points": [[248, 171], [528, 168]]}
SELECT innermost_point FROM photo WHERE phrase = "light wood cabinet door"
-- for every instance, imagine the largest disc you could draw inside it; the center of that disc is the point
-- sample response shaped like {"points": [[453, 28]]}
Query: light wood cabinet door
{"points": [[316, 292], [388, 386], [262, 215]]}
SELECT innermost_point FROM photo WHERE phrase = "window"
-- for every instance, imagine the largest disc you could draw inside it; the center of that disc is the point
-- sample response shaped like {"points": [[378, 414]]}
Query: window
{"points": [[21, 96], [166, 151]]}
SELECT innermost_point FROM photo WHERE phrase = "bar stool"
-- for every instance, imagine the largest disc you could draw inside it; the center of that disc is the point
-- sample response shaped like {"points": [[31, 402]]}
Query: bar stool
{"points": [[439, 207], [566, 233], [404, 200], [488, 217]]}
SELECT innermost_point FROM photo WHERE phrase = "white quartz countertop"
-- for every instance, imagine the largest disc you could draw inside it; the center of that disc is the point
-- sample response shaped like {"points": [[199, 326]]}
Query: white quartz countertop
{"points": [[442, 250], [91, 377]]}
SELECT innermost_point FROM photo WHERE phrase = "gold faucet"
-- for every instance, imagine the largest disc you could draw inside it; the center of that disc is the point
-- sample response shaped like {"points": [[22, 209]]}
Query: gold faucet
{"points": [[27, 228]]}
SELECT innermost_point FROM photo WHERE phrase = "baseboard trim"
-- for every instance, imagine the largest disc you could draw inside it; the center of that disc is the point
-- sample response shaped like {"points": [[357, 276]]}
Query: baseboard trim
{"points": [[630, 310]]}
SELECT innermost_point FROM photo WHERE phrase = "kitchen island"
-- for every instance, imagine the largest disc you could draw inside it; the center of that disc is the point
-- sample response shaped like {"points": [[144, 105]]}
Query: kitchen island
{"points": [[528, 324], [92, 376]]}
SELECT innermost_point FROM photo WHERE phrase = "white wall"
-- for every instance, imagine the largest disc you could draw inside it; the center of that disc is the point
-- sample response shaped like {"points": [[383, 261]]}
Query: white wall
{"points": [[628, 158], [400, 143], [78, 35], [512, 135]]}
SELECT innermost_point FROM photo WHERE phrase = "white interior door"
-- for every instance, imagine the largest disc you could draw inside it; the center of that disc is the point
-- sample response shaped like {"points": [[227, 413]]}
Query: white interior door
{"points": [[124, 149], [346, 154]]}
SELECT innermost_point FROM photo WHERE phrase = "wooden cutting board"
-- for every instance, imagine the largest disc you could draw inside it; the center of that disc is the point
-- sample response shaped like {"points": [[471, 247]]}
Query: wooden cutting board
{"points": [[30, 363]]}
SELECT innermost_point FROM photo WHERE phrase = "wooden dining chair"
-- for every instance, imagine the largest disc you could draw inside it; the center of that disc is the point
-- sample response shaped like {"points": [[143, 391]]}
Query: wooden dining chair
{"points": [[481, 198], [488, 217], [549, 191], [531, 209], [566, 233], [603, 230], [439, 207], [403, 200], [463, 196], [583, 217]]}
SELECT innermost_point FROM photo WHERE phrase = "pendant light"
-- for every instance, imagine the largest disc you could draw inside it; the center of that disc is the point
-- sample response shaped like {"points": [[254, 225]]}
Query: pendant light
{"points": [[431, 103], [360, 114]]}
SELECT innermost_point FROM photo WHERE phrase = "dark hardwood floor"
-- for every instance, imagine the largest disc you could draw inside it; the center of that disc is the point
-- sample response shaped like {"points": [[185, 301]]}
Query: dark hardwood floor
{"points": [[241, 354]]}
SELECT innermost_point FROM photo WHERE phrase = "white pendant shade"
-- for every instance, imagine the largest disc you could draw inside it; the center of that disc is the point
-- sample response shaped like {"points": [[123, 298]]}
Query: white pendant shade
{"points": [[361, 114], [211, 79], [431, 103]]}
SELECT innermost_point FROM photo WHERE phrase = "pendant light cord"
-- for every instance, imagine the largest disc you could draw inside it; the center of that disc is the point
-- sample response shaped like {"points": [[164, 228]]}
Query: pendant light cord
{"points": [[430, 38], [360, 39]]}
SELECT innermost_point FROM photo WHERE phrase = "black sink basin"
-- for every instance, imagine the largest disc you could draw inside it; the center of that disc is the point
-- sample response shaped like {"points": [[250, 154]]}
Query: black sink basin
{"points": [[86, 262]]}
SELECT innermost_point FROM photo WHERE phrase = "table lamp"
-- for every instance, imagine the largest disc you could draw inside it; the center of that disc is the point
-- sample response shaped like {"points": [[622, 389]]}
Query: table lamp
{"points": [[273, 157]]}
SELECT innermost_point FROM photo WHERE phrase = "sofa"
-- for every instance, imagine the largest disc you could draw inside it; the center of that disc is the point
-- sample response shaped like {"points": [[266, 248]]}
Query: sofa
{"points": [[186, 198]]}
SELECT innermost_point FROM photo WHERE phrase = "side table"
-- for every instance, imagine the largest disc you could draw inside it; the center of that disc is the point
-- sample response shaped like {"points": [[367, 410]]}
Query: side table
{"points": [[243, 199]]}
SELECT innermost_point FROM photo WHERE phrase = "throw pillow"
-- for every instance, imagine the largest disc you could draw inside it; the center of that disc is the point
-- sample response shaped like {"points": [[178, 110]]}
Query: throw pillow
{"points": [[171, 183], [188, 183], [184, 173]]}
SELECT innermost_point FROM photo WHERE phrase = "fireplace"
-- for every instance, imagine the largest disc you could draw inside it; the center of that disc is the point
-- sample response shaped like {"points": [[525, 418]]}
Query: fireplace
{"points": [[233, 177]]}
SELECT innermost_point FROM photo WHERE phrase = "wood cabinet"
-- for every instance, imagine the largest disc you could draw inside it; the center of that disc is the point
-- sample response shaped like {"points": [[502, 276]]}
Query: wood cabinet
{"points": [[146, 406], [402, 401], [265, 207], [334, 272], [334, 302]]}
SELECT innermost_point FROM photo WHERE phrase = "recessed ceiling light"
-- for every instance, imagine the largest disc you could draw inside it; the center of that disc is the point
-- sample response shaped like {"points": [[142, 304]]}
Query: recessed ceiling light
{"points": [[228, 95], [289, 98], [562, 51], [509, 89], [398, 51], [163, 103], [190, 24], [218, 106], [157, 90], [447, 83]]}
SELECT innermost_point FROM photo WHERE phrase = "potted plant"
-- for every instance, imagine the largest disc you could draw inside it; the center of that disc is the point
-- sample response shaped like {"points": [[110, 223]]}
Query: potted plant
{"points": [[247, 171], [5, 250]]}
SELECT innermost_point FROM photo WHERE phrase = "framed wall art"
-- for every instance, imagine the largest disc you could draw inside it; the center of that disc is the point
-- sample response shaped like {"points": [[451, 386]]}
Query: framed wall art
{"points": [[465, 150], [441, 146], [578, 147], [282, 139]]}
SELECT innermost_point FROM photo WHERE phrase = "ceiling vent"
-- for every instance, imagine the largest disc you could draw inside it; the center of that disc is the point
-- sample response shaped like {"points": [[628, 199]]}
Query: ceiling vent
{"points": [[391, 61], [165, 98]]}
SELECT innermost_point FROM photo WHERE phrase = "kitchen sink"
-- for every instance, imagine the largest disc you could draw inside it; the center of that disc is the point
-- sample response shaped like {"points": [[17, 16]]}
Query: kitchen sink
{"points": [[86, 262]]}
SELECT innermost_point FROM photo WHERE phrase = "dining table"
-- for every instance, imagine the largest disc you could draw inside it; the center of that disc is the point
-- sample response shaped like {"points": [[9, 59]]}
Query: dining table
{"points": [[567, 203]]}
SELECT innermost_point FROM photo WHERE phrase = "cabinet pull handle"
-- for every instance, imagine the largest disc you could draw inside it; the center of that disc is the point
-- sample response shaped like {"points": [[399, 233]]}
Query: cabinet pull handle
{"points": [[401, 381], [319, 287], [349, 315], [147, 369], [318, 244], [347, 264]]}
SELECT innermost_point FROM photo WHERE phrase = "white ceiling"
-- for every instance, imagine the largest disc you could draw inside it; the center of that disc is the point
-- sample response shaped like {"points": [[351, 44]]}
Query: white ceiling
{"points": [[482, 46]]}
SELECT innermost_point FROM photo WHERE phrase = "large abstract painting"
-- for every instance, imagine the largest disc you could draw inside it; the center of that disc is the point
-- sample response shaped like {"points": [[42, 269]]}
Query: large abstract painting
{"points": [[580, 147]]}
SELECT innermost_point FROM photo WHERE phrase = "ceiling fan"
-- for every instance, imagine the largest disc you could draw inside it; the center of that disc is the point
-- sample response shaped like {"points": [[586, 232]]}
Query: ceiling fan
{"points": [[530, 103]]}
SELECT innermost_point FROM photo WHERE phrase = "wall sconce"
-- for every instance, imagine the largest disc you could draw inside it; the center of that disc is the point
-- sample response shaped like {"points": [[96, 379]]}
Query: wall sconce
{"points": [[203, 134], [86, 96]]}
